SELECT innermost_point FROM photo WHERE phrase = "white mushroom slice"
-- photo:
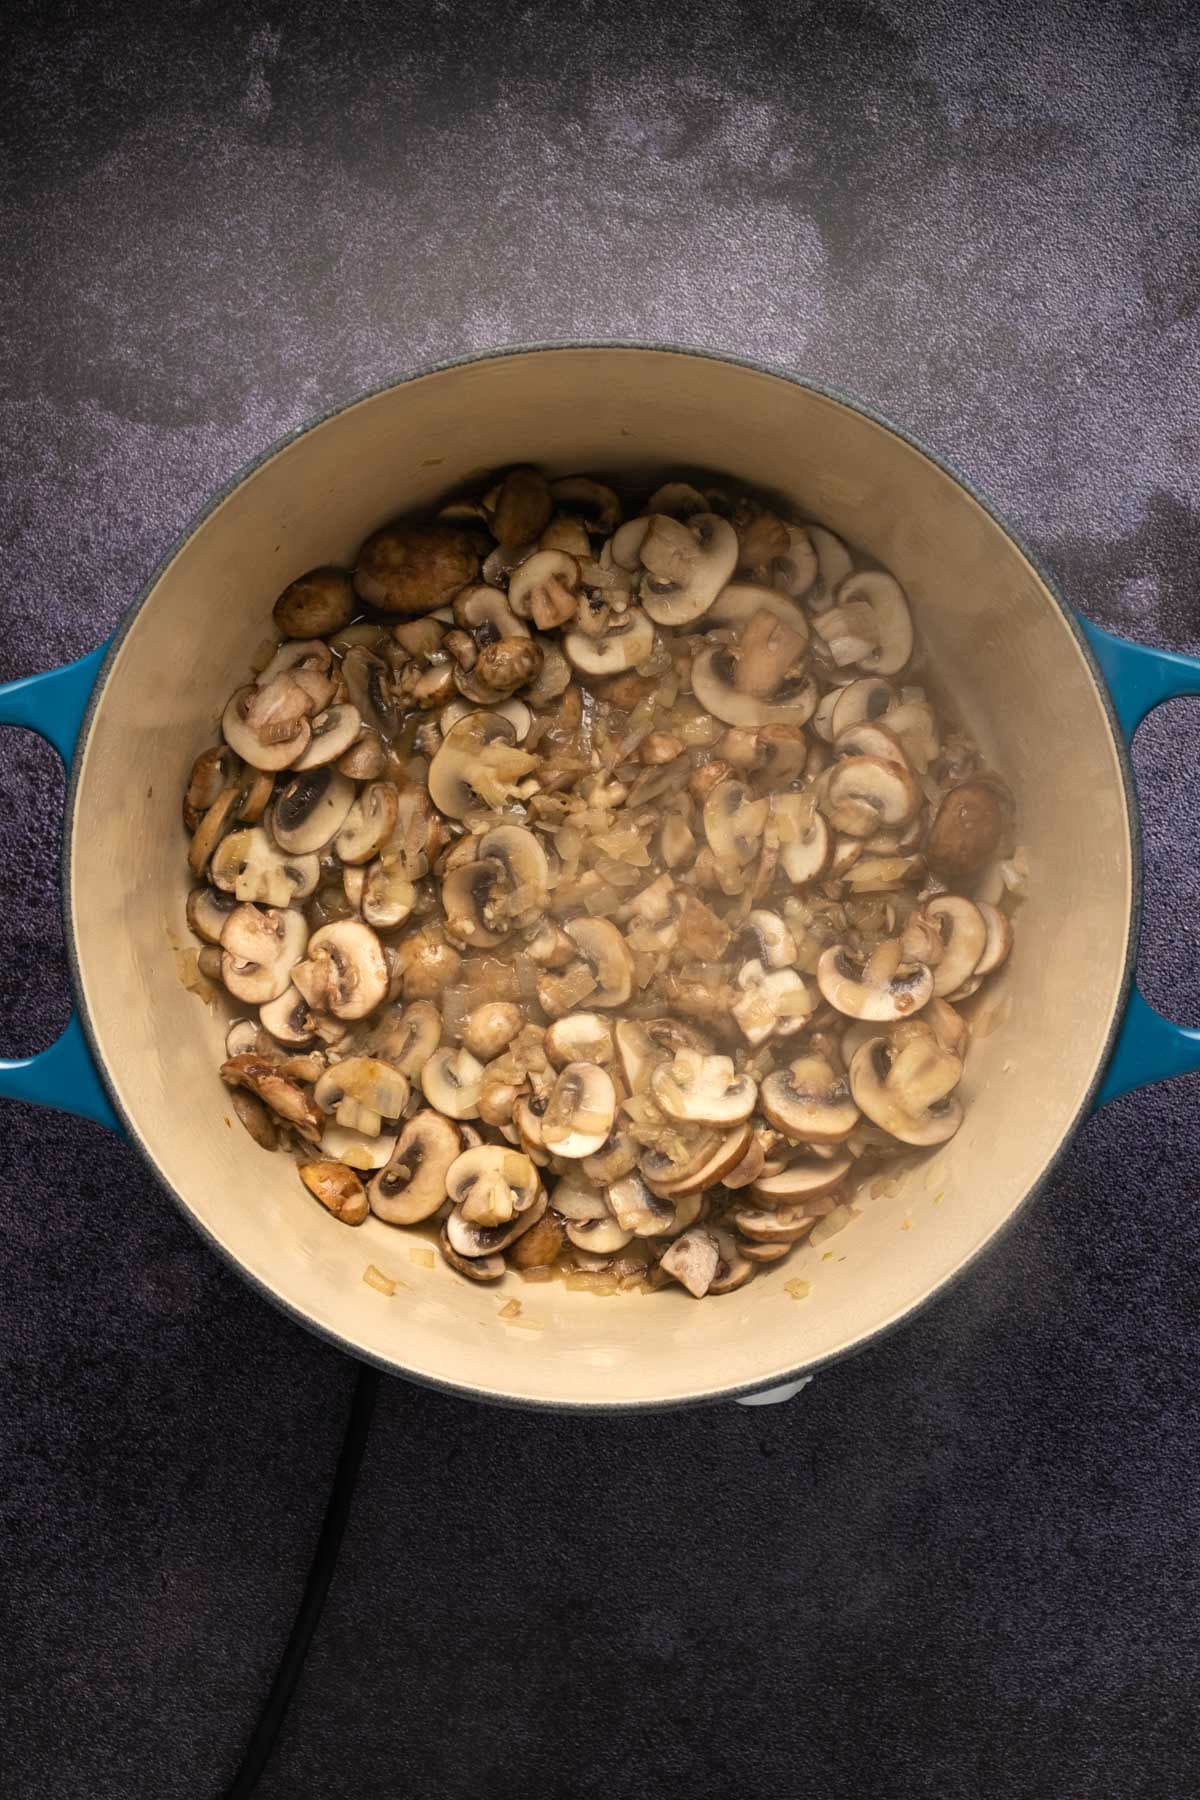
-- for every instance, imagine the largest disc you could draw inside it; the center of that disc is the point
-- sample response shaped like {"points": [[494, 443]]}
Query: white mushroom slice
{"points": [[345, 972], [693, 1260], [734, 1268], [593, 501], [809, 1101], [772, 1003], [734, 823], [869, 738], [452, 1082], [636, 1052], [914, 725], [616, 1158], [822, 719], [472, 1240], [369, 823], [387, 897], [637, 1210], [288, 1018], [309, 809], [783, 1227], [807, 1179], [362, 1091], [775, 943], [714, 683], [545, 589], [259, 949], [526, 870], [606, 954], [251, 866], [742, 601], [474, 1268], [862, 702], [765, 1252], [627, 642], [893, 623], [964, 933], [833, 566], [207, 911], [212, 828], [883, 987], [576, 1198], [600, 1236], [864, 793], [279, 712], [999, 938], [579, 1037], [470, 895], [795, 569], [848, 633], [332, 733], [624, 548], [486, 612], [489, 1029], [714, 1154], [242, 1038], [300, 658], [703, 1090], [412, 1184], [491, 1185], [893, 1088], [478, 763], [407, 1041], [580, 1111], [551, 680], [805, 840], [686, 565], [357, 1149]]}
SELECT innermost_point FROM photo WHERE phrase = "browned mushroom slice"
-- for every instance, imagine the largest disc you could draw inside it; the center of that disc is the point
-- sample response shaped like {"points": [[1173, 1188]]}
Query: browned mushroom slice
{"points": [[251, 866], [368, 823], [637, 1210], [686, 565], [288, 1018], [864, 794], [883, 987], [286, 1098], [594, 502], [734, 1267], [693, 1260], [703, 1169], [214, 770], [539, 1247], [616, 1158], [545, 589], [410, 569], [212, 827], [475, 1268], [469, 900], [964, 936], [715, 683], [734, 824], [703, 1090], [606, 954], [580, 1112], [625, 644], [519, 507], [207, 910], [345, 972], [782, 1227], [362, 1091], [472, 1240], [338, 1189], [809, 1100], [743, 601], [491, 1184], [579, 1037], [907, 1090], [268, 727], [412, 1184], [452, 1081], [259, 950], [258, 1119], [526, 870], [427, 963], [803, 1181], [478, 763]]}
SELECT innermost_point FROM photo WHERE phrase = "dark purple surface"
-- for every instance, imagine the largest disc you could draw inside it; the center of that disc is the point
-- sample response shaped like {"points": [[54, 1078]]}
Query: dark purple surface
{"points": [[964, 1564]]}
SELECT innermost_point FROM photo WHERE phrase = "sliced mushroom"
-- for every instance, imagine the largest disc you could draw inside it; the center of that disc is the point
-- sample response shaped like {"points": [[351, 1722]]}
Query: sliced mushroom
{"points": [[893, 622], [782, 1227], [703, 1169], [627, 642], [805, 840], [606, 954], [861, 702], [765, 1252], [964, 935], [525, 866], [880, 987], [999, 939], [427, 963], [338, 1189], [214, 770], [576, 1197], [288, 1018], [470, 901], [637, 1210], [580, 1112], [369, 684], [593, 501], [734, 1268], [579, 1037], [412, 1184], [409, 1040], [268, 727], [251, 867], [241, 1038], [703, 1090], [207, 911], [616, 1158], [367, 757], [310, 808], [734, 823], [686, 565], [369, 823], [212, 828], [452, 1081], [388, 897], [865, 793], [286, 1098], [833, 566], [693, 1260], [259, 949], [809, 1100], [362, 1091], [545, 589], [258, 1119], [908, 1090], [714, 682], [599, 1236], [499, 668], [478, 763], [771, 1003], [411, 569], [476, 1268], [345, 972], [471, 1240], [774, 942], [966, 830], [489, 1029], [538, 1248], [491, 1185], [743, 601]]}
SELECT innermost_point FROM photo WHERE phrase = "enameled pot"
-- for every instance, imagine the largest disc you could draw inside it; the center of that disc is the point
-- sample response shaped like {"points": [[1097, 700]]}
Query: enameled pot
{"points": [[1042, 692]]}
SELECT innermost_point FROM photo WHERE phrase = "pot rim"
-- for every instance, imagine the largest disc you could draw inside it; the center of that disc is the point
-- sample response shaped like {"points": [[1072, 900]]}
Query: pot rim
{"points": [[710, 1396]]}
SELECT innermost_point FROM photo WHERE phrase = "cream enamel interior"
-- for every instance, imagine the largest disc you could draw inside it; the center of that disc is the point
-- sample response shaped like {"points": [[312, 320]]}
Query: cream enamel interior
{"points": [[991, 630]]}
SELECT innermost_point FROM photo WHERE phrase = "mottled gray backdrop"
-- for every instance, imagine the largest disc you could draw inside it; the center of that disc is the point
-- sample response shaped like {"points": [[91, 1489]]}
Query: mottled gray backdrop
{"points": [[966, 1563]]}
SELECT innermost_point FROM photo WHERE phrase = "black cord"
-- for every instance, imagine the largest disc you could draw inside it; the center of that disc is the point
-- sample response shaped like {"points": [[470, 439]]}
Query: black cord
{"points": [[312, 1601]]}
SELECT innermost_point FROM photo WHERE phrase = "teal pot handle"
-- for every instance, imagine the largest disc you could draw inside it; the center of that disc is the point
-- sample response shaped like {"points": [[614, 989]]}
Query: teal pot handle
{"points": [[1148, 1048], [64, 1076]]}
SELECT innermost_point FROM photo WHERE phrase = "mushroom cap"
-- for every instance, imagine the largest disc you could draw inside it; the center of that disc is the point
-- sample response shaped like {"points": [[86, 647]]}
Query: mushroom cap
{"points": [[714, 683], [309, 809], [492, 1184], [519, 507], [316, 604], [809, 1100], [606, 953], [626, 643], [411, 569], [581, 1110], [892, 1086], [452, 1081], [338, 1189], [345, 972], [491, 1027], [412, 1184], [686, 565], [848, 985], [703, 1090]]}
